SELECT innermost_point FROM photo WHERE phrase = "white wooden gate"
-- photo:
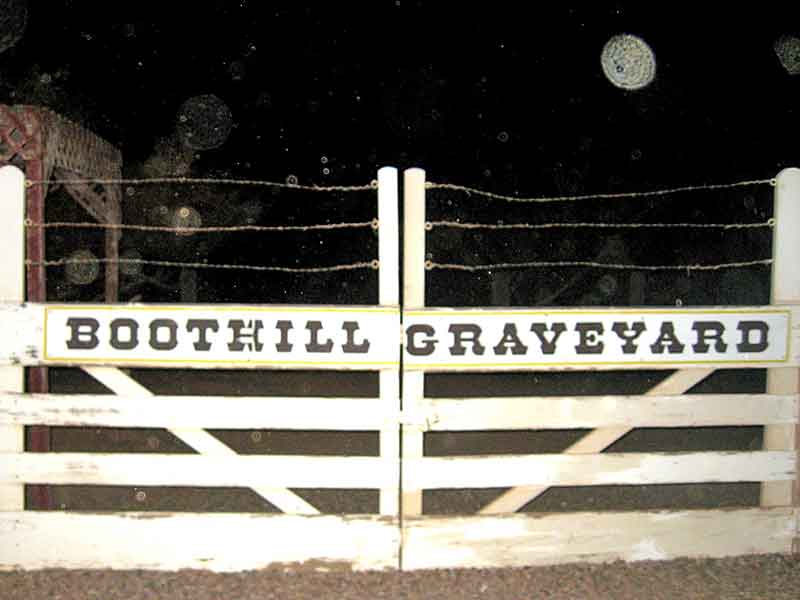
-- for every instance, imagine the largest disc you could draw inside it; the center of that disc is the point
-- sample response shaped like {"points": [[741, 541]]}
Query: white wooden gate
{"points": [[498, 536], [100, 339], [434, 340]]}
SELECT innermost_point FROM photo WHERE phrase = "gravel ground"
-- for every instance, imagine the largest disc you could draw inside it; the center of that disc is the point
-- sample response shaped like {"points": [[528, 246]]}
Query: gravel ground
{"points": [[767, 577]]}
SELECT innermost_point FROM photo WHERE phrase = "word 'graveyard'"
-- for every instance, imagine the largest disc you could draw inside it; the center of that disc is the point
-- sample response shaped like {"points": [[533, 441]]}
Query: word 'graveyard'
{"points": [[465, 339]]}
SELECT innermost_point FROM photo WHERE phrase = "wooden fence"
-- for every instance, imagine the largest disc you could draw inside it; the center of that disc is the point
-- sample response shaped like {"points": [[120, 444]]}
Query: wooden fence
{"points": [[498, 536], [220, 542], [434, 340]]}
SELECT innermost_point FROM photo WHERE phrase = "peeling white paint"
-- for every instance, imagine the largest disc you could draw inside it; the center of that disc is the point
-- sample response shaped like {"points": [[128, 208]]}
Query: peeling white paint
{"points": [[647, 550]]}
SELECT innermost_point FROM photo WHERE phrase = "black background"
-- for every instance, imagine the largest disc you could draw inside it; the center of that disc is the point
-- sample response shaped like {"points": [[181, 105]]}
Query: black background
{"points": [[509, 97]]}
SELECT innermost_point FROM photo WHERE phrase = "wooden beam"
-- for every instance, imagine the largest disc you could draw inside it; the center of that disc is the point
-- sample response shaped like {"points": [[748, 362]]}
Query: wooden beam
{"points": [[632, 468], [214, 542], [598, 440], [238, 470], [195, 412], [413, 298], [785, 290], [519, 540], [389, 295], [589, 412], [12, 289]]}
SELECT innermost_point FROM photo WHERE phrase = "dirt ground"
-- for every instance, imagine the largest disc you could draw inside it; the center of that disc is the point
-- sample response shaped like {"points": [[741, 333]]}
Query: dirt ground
{"points": [[768, 577]]}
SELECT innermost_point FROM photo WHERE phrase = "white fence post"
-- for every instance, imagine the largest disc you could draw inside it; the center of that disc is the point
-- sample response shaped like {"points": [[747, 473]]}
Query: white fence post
{"points": [[413, 298], [389, 295], [12, 289], [785, 290]]}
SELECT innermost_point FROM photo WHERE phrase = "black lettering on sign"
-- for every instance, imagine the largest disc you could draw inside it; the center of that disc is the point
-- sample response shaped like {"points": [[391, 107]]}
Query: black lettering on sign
{"points": [[350, 346], [587, 340], [747, 344], [667, 340], [283, 344], [466, 332], [424, 347], [245, 336], [131, 338], [157, 325], [83, 333], [548, 346], [510, 340], [709, 331], [628, 333], [313, 344], [202, 326]]}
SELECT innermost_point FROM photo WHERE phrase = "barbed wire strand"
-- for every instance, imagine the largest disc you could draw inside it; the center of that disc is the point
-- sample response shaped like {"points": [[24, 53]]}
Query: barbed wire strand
{"points": [[581, 263], [566, 225], [208, 181], [201, 265], [185, 230], [606, 196]]}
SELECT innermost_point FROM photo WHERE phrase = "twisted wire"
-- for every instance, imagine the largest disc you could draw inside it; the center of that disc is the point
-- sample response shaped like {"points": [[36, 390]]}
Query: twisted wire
{"points": [[567, 225], [430, 265], [605, 196], [184, 230], [208, 181], [202, 265]]}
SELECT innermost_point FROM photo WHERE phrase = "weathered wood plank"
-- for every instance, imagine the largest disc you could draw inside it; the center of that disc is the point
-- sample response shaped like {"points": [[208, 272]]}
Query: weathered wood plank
{"points": [[12, 289], [785, 290], [578, 412], [206, 412], [517, 540], [388, 295], [389, 439], [67, 468], [215, 542], [635, 468]]}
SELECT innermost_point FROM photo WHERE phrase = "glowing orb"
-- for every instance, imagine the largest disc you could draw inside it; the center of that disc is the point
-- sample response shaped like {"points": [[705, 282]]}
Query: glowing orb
{"points": [[204, 122], [186, 218], [82, 267], [132, 268], [628, 62], [787, 49]]}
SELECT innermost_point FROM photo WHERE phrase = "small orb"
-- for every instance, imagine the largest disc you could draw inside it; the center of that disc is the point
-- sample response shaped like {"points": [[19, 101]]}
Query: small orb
{"points": [[82, 267]]}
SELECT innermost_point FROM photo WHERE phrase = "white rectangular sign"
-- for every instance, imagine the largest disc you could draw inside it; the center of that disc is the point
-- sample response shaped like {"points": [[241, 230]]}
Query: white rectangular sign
{"points": [[220, 335], [464, 339]]}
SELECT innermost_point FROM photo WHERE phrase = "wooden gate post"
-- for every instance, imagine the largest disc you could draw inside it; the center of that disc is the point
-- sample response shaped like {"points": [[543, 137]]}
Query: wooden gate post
{"points": [[785, 290], [413, 298], [389, 295], [12, 289]]}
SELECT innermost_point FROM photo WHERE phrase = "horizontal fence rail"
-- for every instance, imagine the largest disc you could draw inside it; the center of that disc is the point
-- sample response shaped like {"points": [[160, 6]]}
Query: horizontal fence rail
{"points": [[517, 540], [323, 472], [215, 542]]}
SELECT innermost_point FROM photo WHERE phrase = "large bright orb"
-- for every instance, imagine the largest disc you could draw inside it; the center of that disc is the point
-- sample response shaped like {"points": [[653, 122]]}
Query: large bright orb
{"points": [[628, 62]]}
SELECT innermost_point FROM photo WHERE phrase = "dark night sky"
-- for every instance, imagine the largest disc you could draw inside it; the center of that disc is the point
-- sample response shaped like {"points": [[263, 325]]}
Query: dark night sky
{"points": [[509, 97], [427, 84]]}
